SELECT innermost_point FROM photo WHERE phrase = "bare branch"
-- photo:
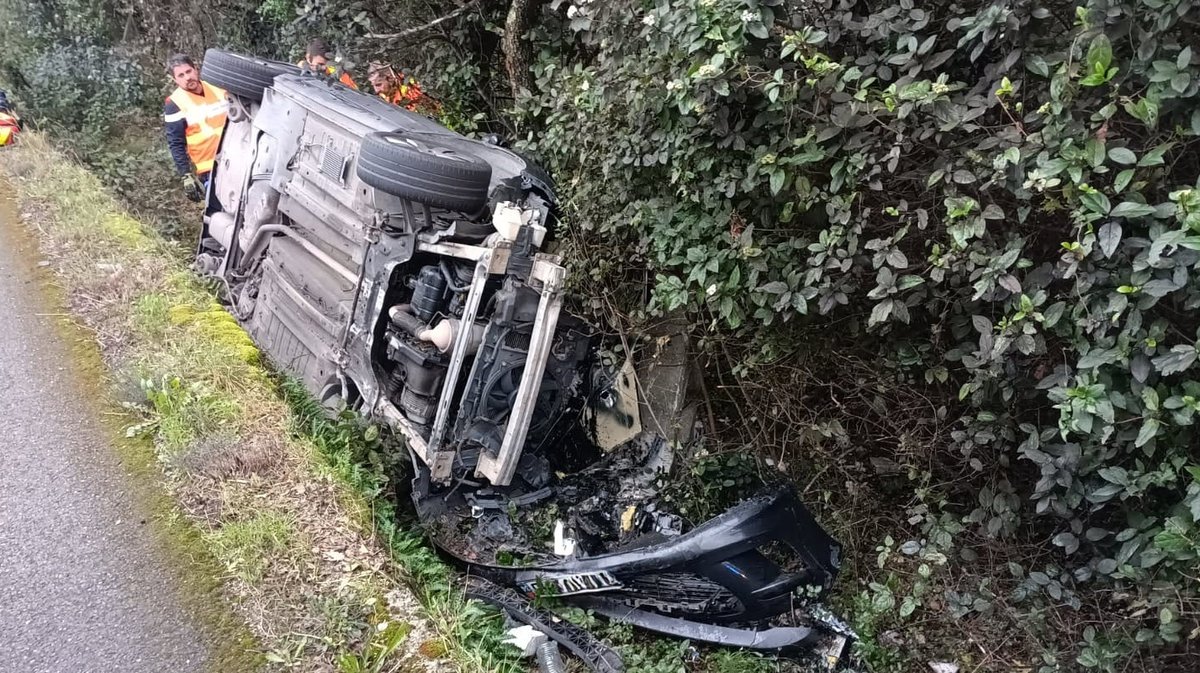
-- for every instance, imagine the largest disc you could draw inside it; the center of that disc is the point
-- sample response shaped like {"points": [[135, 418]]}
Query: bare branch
{"points": [[412, 31]]}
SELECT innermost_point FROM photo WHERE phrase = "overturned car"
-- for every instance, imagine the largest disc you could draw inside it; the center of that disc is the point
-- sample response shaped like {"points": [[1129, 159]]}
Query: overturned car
{"points": [[398, 268]]}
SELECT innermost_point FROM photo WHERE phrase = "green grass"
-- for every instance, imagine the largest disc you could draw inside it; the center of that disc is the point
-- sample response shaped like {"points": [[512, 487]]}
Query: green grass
{"points": [[184, 413], [247, 547]]}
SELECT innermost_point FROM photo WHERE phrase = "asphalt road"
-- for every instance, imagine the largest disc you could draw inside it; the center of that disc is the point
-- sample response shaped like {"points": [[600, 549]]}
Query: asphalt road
{"points": [[84, 586]]}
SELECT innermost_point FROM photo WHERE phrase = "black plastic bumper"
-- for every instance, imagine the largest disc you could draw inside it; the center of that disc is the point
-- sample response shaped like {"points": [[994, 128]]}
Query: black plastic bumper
{"points": [[744, 565]]}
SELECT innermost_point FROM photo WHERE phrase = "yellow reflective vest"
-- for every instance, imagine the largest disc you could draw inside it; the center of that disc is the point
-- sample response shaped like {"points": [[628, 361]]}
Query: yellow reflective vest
{"points": [[205, 117]]}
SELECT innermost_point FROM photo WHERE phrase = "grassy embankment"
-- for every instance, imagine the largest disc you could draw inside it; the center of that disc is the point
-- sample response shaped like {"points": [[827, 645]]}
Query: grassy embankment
{"points": [[315, 566]]}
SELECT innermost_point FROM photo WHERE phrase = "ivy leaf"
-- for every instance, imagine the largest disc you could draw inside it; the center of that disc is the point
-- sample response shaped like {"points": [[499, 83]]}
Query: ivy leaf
{"points": [[1122, 155], [1150, 398], [982, 324], [774, 287], [1171, 541], [1139, 366], [993, 212], [1095, 358], [1037, 65], [1181, 82], [777, 177], [909, 281], [1099, 55], [1096, 202], [1052, 315], [757, 29], [881, 312], [1145, 110], [1147, 433], [1179, 359], [1159, 288], [1155, 156], [1104, 493], [1067, 541], [1109, 237], [1132, 209], [1122, 181]]}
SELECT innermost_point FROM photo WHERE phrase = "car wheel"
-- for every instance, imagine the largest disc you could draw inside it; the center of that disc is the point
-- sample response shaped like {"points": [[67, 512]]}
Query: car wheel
{"points": [[421, 169], [242, 76]]}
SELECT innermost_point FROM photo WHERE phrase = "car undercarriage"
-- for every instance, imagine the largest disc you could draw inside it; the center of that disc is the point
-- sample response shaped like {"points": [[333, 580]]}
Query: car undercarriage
{"points": [[401, 270]]}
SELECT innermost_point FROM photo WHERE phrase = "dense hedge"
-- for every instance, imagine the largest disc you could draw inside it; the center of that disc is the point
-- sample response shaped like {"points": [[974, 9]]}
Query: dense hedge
{"points": [[999, 200]]}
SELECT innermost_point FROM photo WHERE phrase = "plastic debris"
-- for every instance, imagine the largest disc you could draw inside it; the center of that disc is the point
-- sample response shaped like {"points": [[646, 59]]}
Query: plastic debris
{"points": [[526, 639], [563, 545]]}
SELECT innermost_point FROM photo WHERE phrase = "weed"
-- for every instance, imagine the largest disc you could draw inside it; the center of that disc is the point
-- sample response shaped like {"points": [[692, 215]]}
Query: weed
{"points": [[376, 652], [289, 654], [739, 661], [247, 547], [185, 412], [150, 315]]}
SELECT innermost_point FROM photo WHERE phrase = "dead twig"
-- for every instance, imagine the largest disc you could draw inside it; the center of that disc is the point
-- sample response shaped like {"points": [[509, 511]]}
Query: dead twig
{"points": [[425, 26]]}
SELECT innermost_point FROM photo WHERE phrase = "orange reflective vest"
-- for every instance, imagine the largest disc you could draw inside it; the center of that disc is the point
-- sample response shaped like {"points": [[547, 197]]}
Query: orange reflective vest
{"points": [[205, 116], [330, 71], [409, 96]]}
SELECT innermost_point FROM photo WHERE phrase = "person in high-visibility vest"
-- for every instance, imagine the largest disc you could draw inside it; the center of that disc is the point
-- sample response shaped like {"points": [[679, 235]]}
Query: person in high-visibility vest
{"points": [[195, 117], [399, 89], [316, 58], [10, 123]]}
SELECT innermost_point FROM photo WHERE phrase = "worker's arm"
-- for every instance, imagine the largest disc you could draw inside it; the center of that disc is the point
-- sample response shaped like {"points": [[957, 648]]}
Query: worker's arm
{"points": [[176, 126]]}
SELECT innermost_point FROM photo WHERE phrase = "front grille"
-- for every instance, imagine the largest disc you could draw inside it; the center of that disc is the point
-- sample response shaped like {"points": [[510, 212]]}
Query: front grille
{"points": [[679, 593]]}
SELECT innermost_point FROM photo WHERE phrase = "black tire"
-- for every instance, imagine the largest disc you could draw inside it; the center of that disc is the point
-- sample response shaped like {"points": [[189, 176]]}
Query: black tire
{"points": [[242, 76], [419, 168]]}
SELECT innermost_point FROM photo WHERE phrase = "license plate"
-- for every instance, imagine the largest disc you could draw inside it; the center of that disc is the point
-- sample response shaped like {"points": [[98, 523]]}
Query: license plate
{"points": [[569, 585]]}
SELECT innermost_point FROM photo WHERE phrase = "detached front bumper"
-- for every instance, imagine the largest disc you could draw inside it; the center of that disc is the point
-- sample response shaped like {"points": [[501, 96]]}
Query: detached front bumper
{"points": [[750, 564]]}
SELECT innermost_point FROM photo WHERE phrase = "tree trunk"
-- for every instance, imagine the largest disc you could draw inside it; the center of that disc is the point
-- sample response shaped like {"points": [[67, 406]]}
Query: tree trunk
{"points": [[518, 53]]}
